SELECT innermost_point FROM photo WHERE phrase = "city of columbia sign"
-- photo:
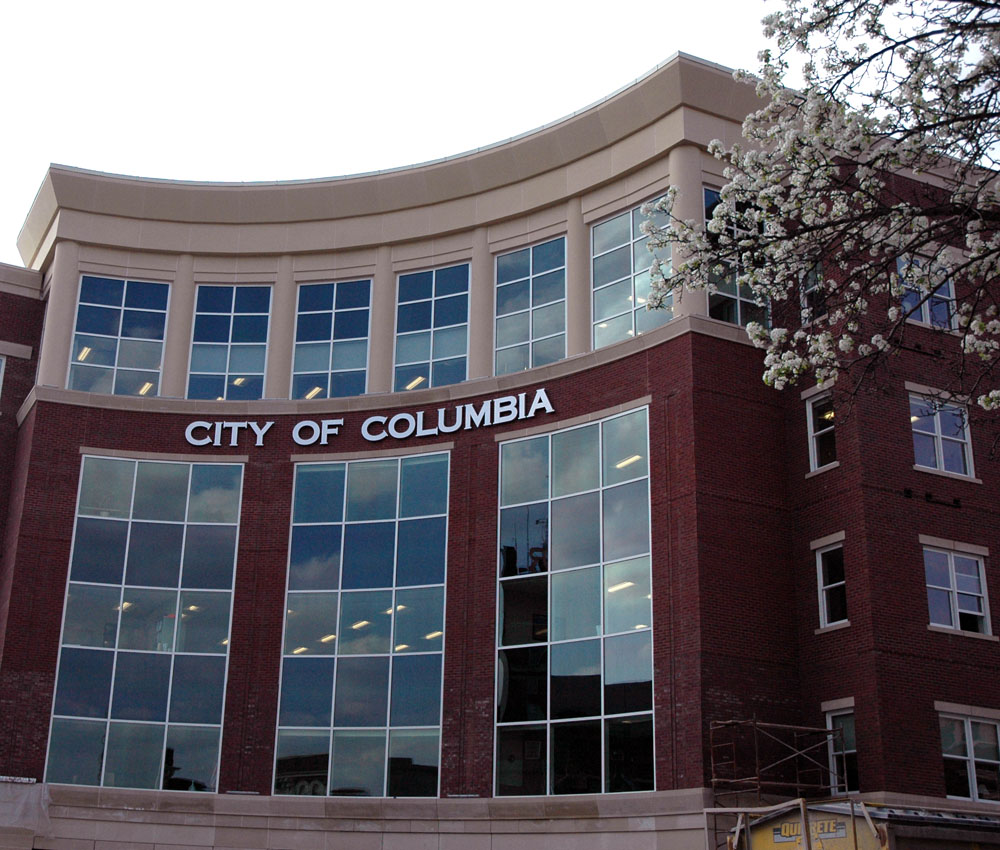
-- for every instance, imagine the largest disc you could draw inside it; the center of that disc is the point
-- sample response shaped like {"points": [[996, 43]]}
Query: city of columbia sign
{"points": [[400, 426]]}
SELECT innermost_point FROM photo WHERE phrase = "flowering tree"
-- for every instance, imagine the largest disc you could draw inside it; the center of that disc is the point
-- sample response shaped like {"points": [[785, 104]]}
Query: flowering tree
{"points": [[866, 200]]}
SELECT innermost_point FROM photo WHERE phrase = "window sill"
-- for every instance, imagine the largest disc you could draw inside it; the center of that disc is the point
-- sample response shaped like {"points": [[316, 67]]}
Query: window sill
{"points": [[833, 627], [920, 323], [822, 469], [945, 474], [945, 630]]}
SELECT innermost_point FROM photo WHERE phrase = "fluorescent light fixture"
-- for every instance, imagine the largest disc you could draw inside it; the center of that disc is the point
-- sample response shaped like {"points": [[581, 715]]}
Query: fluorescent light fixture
{"points": [[641, 626], [224, 642], [620, 586], [432, 635], [360, 624], [327, 638], [145, 388], [193, 608], [239, 382], [416, 382], [299, 650], [828, 415], [401, 646], [125, 606], [84, 353], [315, 391], [628, 461], [914, 419]]}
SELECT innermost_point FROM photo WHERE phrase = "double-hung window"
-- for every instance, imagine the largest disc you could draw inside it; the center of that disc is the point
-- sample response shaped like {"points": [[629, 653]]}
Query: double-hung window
{"points": [[620, 264], [937, 307], [832, 585], [822, 438], [432, 328], [331, 340], [941, 435], [956, 590], [531, 307], [729, 302], [843, 752], [969, 747], [230, 342], [118, 340]]}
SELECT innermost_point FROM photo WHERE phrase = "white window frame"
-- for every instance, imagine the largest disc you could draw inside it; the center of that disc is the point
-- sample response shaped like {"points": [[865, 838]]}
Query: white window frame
{"points": [[839, 780], [824, 589], [944, 293], [972, 758], [940, 438], [817, 430], [953, 591], [3, 365]]}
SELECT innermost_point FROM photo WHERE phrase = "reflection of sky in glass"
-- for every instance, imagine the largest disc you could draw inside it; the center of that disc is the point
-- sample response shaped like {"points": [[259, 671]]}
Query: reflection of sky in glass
{"points": [[524, 471]]}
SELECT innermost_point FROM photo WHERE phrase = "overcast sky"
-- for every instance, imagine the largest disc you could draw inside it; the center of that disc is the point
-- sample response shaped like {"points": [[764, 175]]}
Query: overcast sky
{"points": [[218, 90]]}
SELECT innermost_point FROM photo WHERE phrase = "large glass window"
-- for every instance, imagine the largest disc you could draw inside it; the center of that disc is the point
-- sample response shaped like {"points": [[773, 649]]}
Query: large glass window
{"points": [[971, 757], [620, 275], [940, 435], [729, 302], [574, 641], [230, 342], [936, 308], [142, 666], [331, 340], [360, 706], [432, 328], [531, 307], [118, 341], [956, 591]]}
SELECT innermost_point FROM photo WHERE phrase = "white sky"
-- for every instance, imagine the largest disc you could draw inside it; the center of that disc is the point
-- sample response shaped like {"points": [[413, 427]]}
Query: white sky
{"points": [[239, 91]]}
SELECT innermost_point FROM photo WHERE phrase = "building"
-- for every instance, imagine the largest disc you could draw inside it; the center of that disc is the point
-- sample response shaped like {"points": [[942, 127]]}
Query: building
{"points": [[381, 512]]}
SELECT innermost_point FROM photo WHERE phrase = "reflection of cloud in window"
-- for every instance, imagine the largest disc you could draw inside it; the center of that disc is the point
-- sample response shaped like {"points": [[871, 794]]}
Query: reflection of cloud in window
{"points": [[214, 504]]}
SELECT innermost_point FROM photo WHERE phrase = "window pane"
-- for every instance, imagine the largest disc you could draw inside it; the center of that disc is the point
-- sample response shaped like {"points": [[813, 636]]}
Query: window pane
{"points": [[301, 762], [613, 330], [140, 355], [148, 619], [314, 357], [161, 491], [613, 300], [576, 604], [548, 350], [521, 684], [418, 620], [358, 764], [209, 555], [833, 566], [424, 485], [141, 685], [196, 692], [450, 342], [628, 757], [366, 620], [315, 296], [416, 691], [192, 759], [610, 233], [413, 763], [936, 568], [626, 521], [204, 623], [445, 372], [361, 694], [76, 752], [576, 758], [91, 615], [95, 350], [314, 561], [368, 555], [154, 554], [546, 321], [512, 360], [512, 330], [513, 266], [451, 311], [576, 531], [311, 623], [421, 552], [350, 355], [90, 379], [371, 490], [625, 448], [84, 685], [576, 460], [306, 692], [576, 679], [101, 290], [521, 760], [548, 287], [628, 666], [513, 297], [524, 471], [523, 611], [99, 550], [627, 592], [939, 605], [319, 493], [106, 487]]}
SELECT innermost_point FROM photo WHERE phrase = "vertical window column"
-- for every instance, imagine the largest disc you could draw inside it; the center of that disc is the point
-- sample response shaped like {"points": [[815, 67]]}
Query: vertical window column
{"points": [[574, 638], [360, 705], [142, 667], [230, 342], [432, 321]]}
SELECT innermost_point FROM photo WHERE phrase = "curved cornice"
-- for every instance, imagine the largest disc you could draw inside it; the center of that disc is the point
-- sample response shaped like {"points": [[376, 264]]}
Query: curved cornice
{"points": [[681, 81]]}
